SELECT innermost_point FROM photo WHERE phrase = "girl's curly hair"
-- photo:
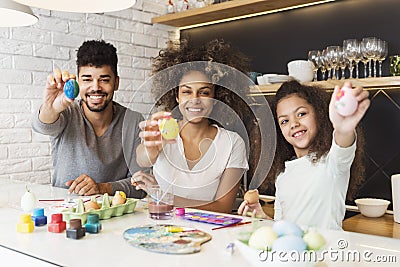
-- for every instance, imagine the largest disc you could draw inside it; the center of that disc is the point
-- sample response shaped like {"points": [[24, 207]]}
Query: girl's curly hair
{"points": [[202, 58], [319, 99]]}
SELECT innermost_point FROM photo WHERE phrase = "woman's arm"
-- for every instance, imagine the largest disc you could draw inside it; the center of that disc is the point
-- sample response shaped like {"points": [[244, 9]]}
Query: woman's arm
{"points": [[145, 156], [147, 152], [225, 195]]}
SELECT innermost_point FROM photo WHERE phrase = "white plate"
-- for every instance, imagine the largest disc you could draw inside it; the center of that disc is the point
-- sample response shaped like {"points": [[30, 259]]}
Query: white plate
{"points": [[279, 78]]}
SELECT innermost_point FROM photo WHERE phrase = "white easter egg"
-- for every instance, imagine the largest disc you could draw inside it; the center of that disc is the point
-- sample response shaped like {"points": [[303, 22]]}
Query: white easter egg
{"points": [[346, 103], [314, 240], [28, 201], [262, 238]]}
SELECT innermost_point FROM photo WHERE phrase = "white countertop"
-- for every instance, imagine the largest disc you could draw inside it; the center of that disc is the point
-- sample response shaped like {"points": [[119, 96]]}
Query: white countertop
{"points": [[108, 247]]}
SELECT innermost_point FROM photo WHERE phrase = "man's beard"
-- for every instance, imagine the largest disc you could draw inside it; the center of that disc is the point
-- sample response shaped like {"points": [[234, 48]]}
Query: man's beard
{"points": [[99, 109]]}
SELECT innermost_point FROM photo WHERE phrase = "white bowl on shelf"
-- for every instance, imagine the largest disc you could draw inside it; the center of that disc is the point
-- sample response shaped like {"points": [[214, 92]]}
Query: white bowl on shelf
{"points": [[372, 207]]}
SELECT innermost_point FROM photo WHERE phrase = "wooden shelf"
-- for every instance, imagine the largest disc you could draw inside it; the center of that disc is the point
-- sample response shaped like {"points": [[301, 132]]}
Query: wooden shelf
{"points": [[372, 83], [225, 10]]}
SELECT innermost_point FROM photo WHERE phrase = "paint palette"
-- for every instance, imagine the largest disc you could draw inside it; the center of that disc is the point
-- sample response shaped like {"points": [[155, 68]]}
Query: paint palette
{"points": [[167, 239], [211, 218]]}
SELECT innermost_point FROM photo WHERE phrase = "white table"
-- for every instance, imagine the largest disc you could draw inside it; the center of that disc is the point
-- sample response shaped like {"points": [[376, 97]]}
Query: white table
{"points": [[108, 248]]}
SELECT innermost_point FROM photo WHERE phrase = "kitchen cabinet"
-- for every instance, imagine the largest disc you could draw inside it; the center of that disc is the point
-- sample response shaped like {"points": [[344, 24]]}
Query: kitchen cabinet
{"points": [[228, 10], [368, 83]]}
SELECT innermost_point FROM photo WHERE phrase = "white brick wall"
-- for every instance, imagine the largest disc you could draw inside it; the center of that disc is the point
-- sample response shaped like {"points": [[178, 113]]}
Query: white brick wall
{"points": [[28, 55]]}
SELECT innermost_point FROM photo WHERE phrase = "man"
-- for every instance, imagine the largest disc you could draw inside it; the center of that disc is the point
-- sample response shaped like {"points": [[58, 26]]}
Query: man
{"points": [[90, 136]]}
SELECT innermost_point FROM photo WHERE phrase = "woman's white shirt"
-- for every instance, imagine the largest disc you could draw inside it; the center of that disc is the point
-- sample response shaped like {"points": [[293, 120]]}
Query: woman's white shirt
{"points": [[227, 150]]}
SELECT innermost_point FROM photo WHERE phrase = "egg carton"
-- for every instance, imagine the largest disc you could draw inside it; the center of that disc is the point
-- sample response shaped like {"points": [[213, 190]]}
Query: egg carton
{"points": [[105, 212]]}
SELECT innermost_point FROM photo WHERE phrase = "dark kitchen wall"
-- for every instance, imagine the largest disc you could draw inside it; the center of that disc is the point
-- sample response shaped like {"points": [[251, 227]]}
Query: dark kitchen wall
{"points": [[275, 39]]}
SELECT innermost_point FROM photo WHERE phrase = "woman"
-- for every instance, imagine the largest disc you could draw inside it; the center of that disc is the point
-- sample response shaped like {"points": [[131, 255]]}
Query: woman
{"points": [[206, 162]]}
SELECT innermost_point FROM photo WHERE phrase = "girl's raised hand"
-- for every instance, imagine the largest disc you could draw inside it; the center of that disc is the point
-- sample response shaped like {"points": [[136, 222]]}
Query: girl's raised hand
{"points": [[346, 124]]}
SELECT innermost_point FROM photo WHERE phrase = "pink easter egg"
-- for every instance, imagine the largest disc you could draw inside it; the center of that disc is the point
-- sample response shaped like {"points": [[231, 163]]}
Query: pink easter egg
{"points": [[346, 103]]}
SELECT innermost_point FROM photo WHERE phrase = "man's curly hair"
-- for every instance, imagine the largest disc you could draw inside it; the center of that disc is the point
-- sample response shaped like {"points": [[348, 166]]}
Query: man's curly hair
{"points": [[97, 53], [319, 99], [190, 57]]}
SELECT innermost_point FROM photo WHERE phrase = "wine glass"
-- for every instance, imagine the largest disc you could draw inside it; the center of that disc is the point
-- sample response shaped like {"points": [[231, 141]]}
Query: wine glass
{"points": [[383, 49], [313, 56], [332, 53], [321, 65], [358, 59], [327, 64], [343, 63], [351, 48], [367, 49], [376, 53]]}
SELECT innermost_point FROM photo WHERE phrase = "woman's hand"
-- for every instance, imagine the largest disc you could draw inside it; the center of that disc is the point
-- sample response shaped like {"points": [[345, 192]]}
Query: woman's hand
{"points": [[255, 210], [143, 180], [152, 142]]}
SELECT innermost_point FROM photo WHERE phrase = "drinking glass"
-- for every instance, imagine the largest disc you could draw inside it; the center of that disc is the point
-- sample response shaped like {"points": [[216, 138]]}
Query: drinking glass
{"points": [[368, 46], [351, 48], [161, 202], [383, 49], [376, 53], [313, 56], [357, 61], [332, 54], [327, 64], [343, 63], [321, 65]]}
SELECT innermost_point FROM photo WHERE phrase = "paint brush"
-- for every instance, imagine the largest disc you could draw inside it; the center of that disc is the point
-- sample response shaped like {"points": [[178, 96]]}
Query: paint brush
{"points": [[231, 225]]}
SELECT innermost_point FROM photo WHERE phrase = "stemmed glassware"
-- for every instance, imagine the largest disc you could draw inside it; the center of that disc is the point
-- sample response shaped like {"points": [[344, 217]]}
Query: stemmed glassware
{"points": [[351, 50], [332, 54], [357, 60], [370, 51], [314, 57], [321, 65], [376, 53], [383, 49], [368, 47], [327, 64], [343, 63]]}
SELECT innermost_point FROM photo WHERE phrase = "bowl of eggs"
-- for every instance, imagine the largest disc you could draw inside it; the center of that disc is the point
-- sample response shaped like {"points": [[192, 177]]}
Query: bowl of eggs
{"points": [[263, 243], [372, 207]]}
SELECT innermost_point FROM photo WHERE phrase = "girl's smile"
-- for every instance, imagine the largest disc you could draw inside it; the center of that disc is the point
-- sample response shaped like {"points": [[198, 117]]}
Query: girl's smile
{"points": [[297, 122]]}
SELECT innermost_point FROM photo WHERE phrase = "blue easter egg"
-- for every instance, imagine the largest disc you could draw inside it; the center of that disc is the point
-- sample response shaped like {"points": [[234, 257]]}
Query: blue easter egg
{"points": [[283, 228], [289, 243], [71, 89]]}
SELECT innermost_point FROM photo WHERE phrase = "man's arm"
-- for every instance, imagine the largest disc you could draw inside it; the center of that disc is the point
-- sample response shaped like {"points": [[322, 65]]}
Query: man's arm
{"points": [[86, 186]]}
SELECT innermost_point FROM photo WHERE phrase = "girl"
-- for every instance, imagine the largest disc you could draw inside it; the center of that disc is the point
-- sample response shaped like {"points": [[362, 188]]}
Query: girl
{"points": [[207, 161], [314, 156]]}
